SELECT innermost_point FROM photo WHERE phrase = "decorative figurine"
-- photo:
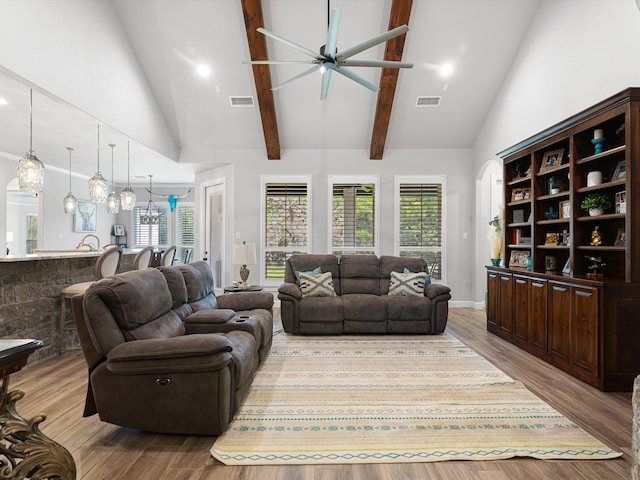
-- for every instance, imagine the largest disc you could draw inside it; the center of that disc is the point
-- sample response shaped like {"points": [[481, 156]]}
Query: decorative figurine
{"points": [[595, 264], [596, 238], [550, 264], [598, 140]]}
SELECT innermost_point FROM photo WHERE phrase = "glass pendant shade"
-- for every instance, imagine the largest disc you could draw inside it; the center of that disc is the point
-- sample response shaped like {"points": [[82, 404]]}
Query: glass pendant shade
{"points": [[127, 196], [98, 186], [113, 200], [30, 168], [69, 202]]}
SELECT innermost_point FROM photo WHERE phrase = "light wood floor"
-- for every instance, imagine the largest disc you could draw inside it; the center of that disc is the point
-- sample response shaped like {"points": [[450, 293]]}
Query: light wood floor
{"points": [[56, 387]]}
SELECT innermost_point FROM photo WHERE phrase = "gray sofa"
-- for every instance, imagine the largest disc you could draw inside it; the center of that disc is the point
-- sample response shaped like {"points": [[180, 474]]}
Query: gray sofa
{"points": [[362, 303], [165, 354]]}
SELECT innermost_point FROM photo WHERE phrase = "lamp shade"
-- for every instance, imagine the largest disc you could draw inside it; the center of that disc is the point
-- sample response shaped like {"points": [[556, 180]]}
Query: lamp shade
{"points": [[245, 254]]}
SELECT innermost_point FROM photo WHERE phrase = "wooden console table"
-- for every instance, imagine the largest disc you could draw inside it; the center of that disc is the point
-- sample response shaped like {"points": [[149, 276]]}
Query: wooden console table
{"points": [[25, 452]]}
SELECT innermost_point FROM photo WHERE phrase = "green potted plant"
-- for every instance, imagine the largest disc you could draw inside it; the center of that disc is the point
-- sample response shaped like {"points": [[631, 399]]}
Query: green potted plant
{"points": [[595, 203]]}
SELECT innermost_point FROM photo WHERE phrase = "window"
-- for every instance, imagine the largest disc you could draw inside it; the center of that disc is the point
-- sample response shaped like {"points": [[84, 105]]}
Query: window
{"points": [[32, 233], [419, 220], [153, 234], [286, 222], [354, 214], [185, 231]]}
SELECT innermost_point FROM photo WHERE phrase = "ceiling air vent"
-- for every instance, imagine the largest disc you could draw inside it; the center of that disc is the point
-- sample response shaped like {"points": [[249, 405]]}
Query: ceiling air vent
{"points": [[242, 101], [428, 102]]}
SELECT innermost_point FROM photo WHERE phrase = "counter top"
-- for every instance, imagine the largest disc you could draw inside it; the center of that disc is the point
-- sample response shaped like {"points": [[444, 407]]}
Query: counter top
{"points": [[60, 254]]}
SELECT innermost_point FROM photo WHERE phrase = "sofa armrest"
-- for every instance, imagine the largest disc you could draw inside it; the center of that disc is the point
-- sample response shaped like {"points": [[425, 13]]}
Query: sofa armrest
{"points": [[246, 301], [187, 353], [289, 291], [210, 317], [435, 289]]}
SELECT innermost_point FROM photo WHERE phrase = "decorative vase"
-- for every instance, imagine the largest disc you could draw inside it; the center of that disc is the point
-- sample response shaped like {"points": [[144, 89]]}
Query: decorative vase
{"points": [[594, 212], [594, 178], [495, 262]]}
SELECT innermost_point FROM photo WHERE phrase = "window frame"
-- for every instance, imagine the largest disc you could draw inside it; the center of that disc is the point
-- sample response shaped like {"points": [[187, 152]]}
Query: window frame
{"points": [[166, 213], [400, 180], [268, 179], [354, 179]]}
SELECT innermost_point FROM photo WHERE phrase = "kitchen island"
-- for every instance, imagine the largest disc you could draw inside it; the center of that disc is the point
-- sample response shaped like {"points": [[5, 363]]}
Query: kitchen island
{"points": [[30, 289]]}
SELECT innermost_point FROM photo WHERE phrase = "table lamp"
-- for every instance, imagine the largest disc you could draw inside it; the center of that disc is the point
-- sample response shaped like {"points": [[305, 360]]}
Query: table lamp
{"points": [[242, 255]]}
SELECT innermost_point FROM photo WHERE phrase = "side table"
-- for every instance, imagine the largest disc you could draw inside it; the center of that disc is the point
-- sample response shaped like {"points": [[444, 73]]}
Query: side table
{"points": [[252, 288], [25, 452]]}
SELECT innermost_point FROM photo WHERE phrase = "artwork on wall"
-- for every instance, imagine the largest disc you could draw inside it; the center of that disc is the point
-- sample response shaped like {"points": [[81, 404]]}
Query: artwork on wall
{"points": [[86, 216]]}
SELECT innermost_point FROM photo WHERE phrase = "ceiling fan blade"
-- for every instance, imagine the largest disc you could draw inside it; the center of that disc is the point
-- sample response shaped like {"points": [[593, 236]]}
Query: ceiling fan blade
{"points": [[350, 52], [300, 75], [356, 78], [326, 78], [298, 47], [375, 63], [281, 62], [332, 35]]}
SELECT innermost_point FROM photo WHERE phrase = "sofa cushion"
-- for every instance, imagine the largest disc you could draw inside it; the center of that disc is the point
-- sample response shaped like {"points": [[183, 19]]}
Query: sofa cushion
{"points": [[408, 308], [407, 284], [304, 263], [365, 307], [321, 309], [427, 279], [359, 274], [198, 279], [315, 271], [390, 263], [316, 285]]}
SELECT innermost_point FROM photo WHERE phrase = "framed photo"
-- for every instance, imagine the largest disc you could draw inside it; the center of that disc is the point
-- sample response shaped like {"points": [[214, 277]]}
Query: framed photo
{"points": [[567, 266], [621, 238], [621, 202], [118, 230], [565, 209], [518, 216], [552, 159], [86, 217], [620, 171], [518, 259]]}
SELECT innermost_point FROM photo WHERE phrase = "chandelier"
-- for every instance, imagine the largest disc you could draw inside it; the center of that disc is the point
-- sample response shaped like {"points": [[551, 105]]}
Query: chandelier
{"points": [[98, 186], [113, 200], [151, 215], [69, 201], [127, 195], [30, 168]]}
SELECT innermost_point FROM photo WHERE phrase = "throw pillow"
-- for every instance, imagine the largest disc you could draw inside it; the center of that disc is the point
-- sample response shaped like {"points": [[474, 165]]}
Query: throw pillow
{"points": [[427, 279], [314, 271], [317, 285], [407, 284]]}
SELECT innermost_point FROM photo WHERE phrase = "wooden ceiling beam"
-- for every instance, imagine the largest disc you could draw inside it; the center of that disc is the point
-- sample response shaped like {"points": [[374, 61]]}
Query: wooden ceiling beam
{"points": [[399, 15], [253, 19]]}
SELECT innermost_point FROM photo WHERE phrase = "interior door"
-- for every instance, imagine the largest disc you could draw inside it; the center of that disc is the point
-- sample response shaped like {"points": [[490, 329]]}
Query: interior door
{"points": [[214, 231]]}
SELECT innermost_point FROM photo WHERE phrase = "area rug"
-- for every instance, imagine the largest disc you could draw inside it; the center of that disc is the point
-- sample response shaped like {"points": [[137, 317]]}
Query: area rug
{"points": [[356, 399]]}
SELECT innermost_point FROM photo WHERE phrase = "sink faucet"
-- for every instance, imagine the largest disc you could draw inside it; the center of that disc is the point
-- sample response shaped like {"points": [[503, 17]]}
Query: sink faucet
{"points": [[90, 245]]}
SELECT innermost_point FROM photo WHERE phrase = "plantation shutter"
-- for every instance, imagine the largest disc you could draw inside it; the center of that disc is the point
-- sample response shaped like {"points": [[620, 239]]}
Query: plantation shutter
{"points": [[353, 217], [185, 230], [144, 235], [286, 225]]}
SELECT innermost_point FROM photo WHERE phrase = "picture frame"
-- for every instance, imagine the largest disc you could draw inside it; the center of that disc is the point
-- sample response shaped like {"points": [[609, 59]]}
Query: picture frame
{"points": [[621, 238], [567, 267], [85, 219], [552, 159], [565, 209], [620, 171], [118, 230], [518, 216], [519, 258], [621, 202]]}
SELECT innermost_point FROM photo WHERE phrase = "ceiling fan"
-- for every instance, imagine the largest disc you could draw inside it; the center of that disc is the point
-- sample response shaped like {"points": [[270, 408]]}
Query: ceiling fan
{"points": [[329, 59]]}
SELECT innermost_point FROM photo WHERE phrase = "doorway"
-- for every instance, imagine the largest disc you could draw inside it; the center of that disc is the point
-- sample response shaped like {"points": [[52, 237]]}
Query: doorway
{"points": [[214, 230]]}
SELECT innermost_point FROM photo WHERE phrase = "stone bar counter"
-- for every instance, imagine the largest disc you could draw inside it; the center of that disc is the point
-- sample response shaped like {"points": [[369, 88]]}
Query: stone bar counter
{"points": [[30, 289]]}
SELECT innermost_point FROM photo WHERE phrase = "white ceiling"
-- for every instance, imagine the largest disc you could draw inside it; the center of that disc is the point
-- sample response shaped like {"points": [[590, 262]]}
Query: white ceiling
{"points": [[169, 37]]}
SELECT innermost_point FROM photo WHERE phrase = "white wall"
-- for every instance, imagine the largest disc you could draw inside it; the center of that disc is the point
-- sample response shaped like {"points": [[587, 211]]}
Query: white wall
{"points": [[72, 49], [243, 197], [575, 54]]}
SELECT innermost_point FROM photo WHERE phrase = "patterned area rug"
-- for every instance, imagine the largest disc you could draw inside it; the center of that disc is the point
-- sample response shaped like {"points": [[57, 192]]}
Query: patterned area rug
{"points": [[392, 399]]}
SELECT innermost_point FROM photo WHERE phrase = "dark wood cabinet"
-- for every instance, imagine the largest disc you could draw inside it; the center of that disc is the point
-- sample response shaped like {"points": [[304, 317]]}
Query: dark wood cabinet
{"points": [[571, 284]]}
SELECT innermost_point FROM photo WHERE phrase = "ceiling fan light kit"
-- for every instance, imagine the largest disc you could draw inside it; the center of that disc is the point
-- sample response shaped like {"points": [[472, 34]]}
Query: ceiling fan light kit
{"points": [[329, 59]]}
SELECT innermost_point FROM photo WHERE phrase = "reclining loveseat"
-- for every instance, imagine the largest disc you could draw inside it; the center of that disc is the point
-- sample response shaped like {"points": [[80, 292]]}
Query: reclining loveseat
{"points": [[165, 354], [367, 294]]}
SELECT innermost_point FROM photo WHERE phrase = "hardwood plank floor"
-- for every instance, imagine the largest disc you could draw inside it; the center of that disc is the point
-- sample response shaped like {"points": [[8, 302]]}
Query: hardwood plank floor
{"points": [[106, 452]]}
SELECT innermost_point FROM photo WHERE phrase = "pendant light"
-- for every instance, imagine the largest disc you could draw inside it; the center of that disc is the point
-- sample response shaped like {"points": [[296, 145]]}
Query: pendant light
{"points": [[30, 169], [151, 216], [98, 186], [113, 200], [127, 195], [69, 201]]}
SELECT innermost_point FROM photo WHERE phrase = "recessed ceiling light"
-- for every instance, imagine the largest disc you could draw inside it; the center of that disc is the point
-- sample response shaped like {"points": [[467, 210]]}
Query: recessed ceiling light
{"points": [[203, 70], [446, 69], [3, 101]]}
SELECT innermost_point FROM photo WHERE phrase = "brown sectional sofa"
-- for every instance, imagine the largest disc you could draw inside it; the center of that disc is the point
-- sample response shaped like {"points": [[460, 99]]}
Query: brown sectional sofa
{"points": [[165, 354], [362, 303]]}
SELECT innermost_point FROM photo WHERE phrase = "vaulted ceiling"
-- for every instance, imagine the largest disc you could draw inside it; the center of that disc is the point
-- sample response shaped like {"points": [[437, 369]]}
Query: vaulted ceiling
{"points": [[169, 38]]}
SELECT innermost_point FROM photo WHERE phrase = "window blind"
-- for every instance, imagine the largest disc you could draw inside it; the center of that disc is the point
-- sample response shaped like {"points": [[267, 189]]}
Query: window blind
{"points": [[353, 222], [143, 235], [185, 231]]}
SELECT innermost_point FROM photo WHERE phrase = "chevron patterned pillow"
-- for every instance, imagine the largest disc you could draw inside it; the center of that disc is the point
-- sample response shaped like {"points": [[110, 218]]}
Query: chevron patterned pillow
{"points": [[317, 285], [407, 284]]}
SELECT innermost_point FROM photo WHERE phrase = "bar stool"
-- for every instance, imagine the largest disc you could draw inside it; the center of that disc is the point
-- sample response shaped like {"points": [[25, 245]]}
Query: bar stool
{"points": [[143, 258], [106, 265]]}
